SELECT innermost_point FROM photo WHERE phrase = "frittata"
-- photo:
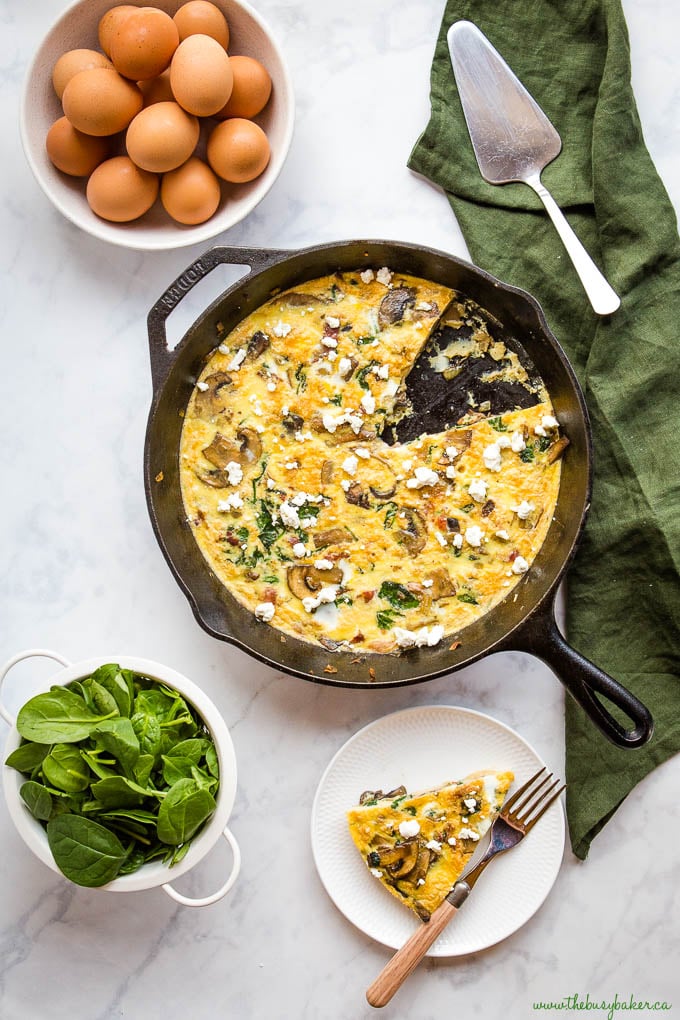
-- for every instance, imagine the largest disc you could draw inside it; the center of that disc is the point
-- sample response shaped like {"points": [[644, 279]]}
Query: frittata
{"points": [[417, 846], [311, 519]]}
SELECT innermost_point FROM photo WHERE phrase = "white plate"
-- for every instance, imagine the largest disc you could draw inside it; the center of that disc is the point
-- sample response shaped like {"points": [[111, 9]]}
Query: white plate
{"points": [[421, 748]]}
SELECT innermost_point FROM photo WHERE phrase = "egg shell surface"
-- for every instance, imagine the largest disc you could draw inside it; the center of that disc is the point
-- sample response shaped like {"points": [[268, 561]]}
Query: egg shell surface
{"points": [[143, 43], [99, 101], [73, 61], [201, 75], [119, 191], [161, 137], [191, 193], [72, 152], [198, 17], [238, 150], [251, 91], [108, 24]]}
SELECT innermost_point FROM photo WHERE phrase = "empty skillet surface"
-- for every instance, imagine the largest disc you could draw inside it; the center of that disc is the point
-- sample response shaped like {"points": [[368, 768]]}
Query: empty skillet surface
{"points": [[524, 621]]}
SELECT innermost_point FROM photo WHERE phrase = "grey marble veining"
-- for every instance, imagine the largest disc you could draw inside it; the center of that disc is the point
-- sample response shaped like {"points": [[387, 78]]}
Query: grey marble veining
{"points": [[81, 572]]}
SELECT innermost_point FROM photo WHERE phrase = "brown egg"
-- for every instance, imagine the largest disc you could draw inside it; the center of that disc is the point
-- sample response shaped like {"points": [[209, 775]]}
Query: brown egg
{"points": [[161, 137], [72, 152], [200, 75], [251, 90], [109, 23], [190, 194], [157, 90], [119, 191], [143, 43], [72, 62], [99, 102], [238, 150], [198, 17]]}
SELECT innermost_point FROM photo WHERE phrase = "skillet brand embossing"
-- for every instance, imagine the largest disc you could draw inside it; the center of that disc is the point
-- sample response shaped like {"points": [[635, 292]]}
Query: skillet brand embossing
{"points": [[311, 519], [184, 283]]}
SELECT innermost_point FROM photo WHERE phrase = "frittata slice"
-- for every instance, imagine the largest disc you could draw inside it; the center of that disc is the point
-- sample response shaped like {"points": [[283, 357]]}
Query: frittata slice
{"points": [[418, 846]]}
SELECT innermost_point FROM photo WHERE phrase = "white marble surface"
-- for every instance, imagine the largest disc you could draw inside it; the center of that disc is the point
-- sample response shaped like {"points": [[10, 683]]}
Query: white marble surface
{"points": [[80, 571]]}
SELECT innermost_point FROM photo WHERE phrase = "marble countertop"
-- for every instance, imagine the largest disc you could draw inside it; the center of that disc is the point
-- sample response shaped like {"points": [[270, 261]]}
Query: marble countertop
{"points": [[80, 572]]}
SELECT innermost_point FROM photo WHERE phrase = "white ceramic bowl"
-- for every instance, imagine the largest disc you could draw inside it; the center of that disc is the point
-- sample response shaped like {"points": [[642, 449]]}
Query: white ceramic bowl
{"points": [[155, 873], [155, 231]]}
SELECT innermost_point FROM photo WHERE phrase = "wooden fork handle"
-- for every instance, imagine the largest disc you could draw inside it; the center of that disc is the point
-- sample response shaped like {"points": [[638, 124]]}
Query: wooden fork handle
{"points": [[406, 959]]}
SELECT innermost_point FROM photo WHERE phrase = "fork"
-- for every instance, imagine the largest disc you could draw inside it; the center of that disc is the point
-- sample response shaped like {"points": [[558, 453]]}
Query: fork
{"points": [[516, 819]]}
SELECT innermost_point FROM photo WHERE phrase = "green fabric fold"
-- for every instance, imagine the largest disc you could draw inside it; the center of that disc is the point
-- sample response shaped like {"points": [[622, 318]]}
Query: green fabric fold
{"points": [[623, 591]]}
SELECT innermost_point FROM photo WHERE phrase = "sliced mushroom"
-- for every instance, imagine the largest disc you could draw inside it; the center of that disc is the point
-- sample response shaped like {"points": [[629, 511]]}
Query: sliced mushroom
{"points": [[488, 508], [442, 584], [453, 524], [394, 305], [293, 422], [332, 536], [349, 370], [420, 866], [305, 580], [217, 479], [246, 452], [413, 533], [396, 860], [458, 438], [530, 522], [556, 449], [296, 299], [380, 477], [422, 911], [358, 496], [257, 345], [211, 402], [399, 791], [344, 433], [370, 795], [327, 469]]}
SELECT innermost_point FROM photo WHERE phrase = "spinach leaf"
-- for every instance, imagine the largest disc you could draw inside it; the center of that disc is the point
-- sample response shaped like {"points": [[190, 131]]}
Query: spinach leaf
{"points": [[387, 618], [527, 454], [117, 736], [102, 699], [118, 792], [114, 680], [26, 757], [211, 761], [142, 769], [58, 716], [398, 595], [466, 596], [498, 424], [37, 799], [147, 729], [176, 768], [184, 809], [363, 372], [65, 768], [86, 852]]}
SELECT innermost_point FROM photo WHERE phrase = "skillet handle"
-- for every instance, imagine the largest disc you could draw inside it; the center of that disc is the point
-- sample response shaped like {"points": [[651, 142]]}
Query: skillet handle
{"points": [[541, 636], [161, 357]]}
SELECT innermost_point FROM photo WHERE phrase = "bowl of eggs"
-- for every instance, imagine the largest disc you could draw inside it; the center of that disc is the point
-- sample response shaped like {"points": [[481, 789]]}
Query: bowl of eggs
{"points": [[156, 127]]}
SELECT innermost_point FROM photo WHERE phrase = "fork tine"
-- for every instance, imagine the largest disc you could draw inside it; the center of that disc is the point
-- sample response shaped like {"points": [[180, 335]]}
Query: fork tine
{"points": [[531, 803], [530, 824], [531, 796], [518, 793]]}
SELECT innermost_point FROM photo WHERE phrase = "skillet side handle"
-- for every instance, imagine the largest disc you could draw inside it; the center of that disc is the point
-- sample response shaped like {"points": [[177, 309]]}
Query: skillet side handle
{"points": [[541, 636], [161, 357]]}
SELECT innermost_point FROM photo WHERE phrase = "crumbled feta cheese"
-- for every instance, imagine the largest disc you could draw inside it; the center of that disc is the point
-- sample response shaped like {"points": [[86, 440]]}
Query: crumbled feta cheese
{"points": [[539, 430], [517, 442], [325, 596], [450, 471], [451, 841], [329, 341], [391, 388], [503, 443], [470, 803], [362, 452], [384, 276], [332, 322], [202, 386], [232, 502], [452, 452], [332, 355], [440, 538], [299, 499], [271, 386], [257, 408], [289, 515], [235, 363], [407, 465], [477, 489], [368, 403], [271, 484], [383, 372], [548, 422], [457, 541], [492, 457], [223, 349], [524, 509], [409, 828], [425, 637], [433, 844], [428, 583], [503, 535], [265, 611], [344, 366], [424, 306], [350, 464], [421, 881], [332, 421], [367, 275], [422, 476], [282, 329], [375, 872], [474, 535], [323, 564], [234, 473], [291, 465], [285, 410], [469, 834], [519, 565], [345, 484], [299, 549]]}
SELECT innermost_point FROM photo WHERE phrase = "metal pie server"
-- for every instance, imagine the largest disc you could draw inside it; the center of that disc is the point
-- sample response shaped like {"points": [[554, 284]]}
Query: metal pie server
{"points": [[513, 140]]}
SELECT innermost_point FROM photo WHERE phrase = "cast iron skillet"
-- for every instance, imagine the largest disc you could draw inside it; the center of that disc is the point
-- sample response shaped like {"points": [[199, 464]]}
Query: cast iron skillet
{"points": [[525, 621]]}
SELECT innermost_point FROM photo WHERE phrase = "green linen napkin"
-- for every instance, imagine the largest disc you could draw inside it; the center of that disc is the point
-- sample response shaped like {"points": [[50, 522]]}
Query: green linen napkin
{"points": [[623, 590]]}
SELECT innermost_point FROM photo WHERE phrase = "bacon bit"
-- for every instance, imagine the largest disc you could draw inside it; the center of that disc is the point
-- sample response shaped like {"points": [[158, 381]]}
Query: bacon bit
{"points": [[270, 595], [329, 669], [159, 477], [367, 596], [371, 672], [456, 644], [356, 638], [513, 555], [441, 522], [331, 331], [232, 539], [488, 508]]}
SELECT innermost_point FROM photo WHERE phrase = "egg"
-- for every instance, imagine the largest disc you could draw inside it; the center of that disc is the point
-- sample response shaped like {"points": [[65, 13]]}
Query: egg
{"points": [[238, 150], [201, 76], [157, 90], [251, 90], [72, 152], [143, 43], [191, 193], [198, 17], [161, 137], [119, 191], [109, 23], [70, 63], [99, 101]]}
